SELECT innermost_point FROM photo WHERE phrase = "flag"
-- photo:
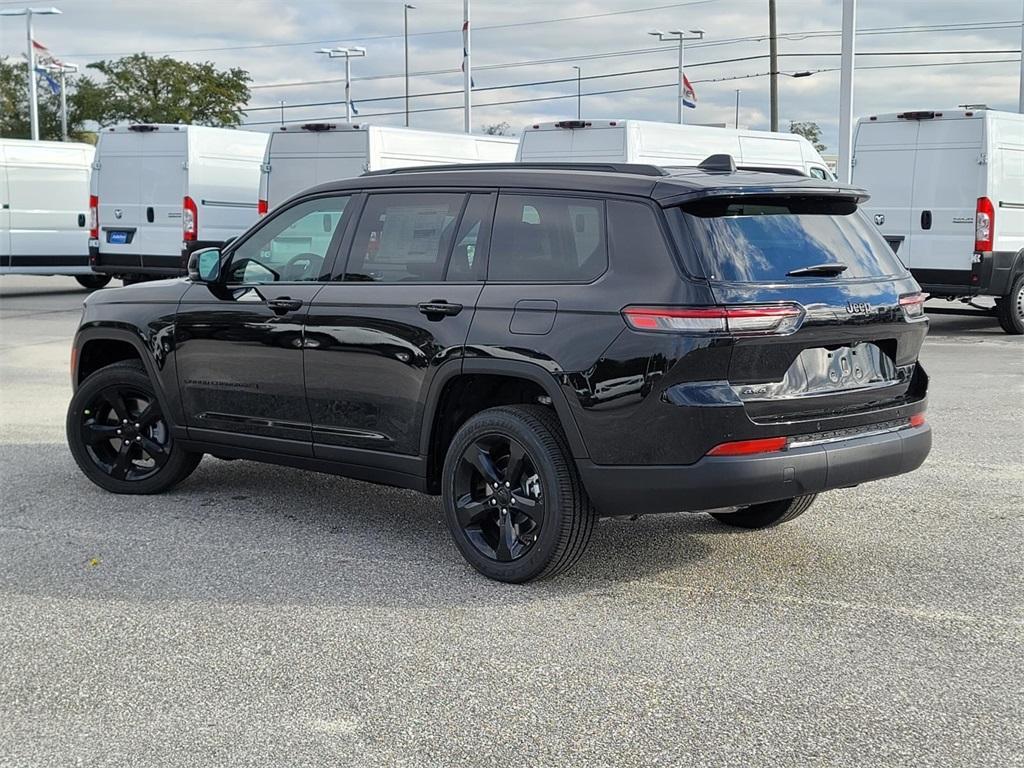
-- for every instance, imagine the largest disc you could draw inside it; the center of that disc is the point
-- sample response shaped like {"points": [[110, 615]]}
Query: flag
{"points": [[465, 51], [43, 53], [50, 81], [689, 95]]}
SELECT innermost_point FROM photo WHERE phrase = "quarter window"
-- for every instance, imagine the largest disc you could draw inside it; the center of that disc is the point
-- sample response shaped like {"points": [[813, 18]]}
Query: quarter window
{"points": [[404, 238], [292, 245], [548, 239]]}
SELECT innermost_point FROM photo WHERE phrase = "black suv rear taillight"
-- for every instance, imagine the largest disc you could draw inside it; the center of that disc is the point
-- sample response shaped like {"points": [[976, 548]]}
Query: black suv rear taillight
{"points": [[739, 320]]}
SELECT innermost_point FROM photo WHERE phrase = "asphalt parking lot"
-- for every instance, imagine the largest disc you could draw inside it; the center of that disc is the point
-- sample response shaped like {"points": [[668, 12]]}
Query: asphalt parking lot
{"points": [[258, 615]]}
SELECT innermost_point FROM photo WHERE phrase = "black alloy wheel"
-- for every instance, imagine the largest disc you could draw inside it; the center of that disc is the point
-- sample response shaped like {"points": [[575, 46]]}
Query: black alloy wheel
{"points": [[125, 434], [498, 497], [512, 496], [119, 435]]}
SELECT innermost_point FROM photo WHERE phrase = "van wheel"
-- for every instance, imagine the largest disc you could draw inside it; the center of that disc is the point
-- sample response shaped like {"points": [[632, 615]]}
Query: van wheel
{"points": [[119, 436], [768, 514], [1010, 308], [92, 282], [512, 497]]}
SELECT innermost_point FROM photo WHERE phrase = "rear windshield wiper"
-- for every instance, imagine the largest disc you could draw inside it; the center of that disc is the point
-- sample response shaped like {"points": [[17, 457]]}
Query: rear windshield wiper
{"points": [[828, 270]]}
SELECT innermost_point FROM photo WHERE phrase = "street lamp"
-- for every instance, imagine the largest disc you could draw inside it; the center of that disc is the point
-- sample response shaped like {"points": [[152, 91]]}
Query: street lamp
{"points": [[405, 12], [679, 36], [62, 69], [579, 96], [28, 13], [349, 54]]}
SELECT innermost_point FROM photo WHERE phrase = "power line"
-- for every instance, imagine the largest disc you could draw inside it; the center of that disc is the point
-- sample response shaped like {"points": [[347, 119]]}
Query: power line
{"points": [[367, 38], [559, 81], [872, 66]]}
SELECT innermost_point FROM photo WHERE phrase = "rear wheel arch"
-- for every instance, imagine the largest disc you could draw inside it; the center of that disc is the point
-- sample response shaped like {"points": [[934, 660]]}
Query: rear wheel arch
{"points": [[459, 392]]}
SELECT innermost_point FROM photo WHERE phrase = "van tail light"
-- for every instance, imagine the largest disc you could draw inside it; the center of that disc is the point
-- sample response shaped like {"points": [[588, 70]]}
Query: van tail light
{"points": [[749, 447], [262, 207], [984, 224], [190, 219], [917, 420], [94, 217], [737, 320], [912, 305]]}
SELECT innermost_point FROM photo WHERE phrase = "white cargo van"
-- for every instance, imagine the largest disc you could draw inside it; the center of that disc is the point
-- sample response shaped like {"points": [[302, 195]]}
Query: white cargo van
{"points": [[667, 144], [947, 192], [302, 156], [44, 197], [160, 192]]}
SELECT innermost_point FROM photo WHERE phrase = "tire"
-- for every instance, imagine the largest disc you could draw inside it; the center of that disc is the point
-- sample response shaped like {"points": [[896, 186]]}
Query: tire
{"points": [[92, 282], [549, 517], [1010, 308], [768, 514], [115, 402]]}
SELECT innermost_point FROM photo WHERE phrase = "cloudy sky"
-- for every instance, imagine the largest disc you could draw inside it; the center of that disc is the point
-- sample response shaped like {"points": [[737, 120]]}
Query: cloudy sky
{"points": [[520, 46]]}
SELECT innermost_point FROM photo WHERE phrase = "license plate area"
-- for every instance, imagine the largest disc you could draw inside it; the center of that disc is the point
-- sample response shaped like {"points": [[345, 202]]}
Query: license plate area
{"points": [[120, 236], [824, 371]]}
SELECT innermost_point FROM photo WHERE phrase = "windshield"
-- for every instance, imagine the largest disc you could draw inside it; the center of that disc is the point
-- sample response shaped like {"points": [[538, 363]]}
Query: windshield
{"points": [[762, 239]]}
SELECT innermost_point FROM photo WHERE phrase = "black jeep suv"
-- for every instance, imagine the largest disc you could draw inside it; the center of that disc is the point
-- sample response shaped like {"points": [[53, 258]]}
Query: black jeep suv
{"points": [[539, 345]]}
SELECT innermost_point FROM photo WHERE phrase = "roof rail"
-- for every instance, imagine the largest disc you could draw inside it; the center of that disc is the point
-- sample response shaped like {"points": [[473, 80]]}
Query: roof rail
{"points": [[723, 163], [638, 169]]}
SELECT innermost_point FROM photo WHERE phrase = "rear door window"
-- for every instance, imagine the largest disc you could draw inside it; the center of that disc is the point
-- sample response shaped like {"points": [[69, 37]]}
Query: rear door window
{"points": [[548, 239], [404, 237], [764, 239]]}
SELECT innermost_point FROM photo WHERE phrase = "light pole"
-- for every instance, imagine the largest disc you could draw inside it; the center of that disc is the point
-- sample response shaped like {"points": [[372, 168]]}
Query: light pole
{"points": [[62, 69], [28, 13], [846, 59], [736, 124], [679, 36], [405, 13], [467, 67], [579, 95], [356, 52]]}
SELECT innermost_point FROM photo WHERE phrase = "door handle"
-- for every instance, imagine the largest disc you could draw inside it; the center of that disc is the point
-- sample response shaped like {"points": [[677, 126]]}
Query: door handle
{"points": [[284, 305], [439, 308], [926, 219], [149, 214]]}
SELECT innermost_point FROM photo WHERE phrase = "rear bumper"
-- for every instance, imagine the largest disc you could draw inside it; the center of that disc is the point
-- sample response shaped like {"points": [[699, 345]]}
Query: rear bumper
{"points": [[991, 274], [147, 264], [734, 481]]}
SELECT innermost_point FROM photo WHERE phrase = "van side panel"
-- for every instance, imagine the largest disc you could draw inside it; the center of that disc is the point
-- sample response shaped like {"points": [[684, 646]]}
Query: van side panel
{"points": [[5, 214], [45, 189]]}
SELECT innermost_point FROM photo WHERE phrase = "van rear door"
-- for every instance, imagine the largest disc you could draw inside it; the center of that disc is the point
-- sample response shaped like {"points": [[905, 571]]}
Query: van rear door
{"points": [[162, 176], [117, 187], [884, 156], [948, 179], [5, 214]]}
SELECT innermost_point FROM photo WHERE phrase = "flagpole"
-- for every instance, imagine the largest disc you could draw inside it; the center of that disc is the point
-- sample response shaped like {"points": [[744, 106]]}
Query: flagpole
{"points": [[63, 107], [33, 104], [467, 66]]}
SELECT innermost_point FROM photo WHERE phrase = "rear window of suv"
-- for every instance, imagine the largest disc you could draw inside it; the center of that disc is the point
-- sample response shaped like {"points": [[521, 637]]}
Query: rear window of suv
{"points": [[763, 239]]}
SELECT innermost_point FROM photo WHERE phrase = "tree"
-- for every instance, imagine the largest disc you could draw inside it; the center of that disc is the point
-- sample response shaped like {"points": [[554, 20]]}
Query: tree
{"points": [[810, 131], [497, 129], [144, 89], [14, 116]]}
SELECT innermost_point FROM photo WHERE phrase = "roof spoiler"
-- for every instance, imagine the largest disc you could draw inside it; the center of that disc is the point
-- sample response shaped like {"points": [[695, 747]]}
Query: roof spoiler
{"points": [[719, 163]]}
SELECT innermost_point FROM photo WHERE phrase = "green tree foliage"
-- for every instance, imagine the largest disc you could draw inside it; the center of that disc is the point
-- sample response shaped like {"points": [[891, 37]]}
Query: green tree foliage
{"points": [[144, 89], [14, 117], [810, 131]]}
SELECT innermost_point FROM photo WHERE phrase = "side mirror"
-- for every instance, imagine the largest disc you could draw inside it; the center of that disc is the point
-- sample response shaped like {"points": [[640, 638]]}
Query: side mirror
{"points": [[204, 265]]}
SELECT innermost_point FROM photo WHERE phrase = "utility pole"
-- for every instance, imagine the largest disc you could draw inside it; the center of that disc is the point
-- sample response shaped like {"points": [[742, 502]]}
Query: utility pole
{"points": [[467, 67], [405, 12], [846, 59], [579, 95], [773, 66], [282, 111], [677, 35], [1020, 97], [736, 124], [33, 97]]}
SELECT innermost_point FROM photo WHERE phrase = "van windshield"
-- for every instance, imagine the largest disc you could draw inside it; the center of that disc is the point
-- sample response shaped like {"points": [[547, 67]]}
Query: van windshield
{"points": [[762, 239]]}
